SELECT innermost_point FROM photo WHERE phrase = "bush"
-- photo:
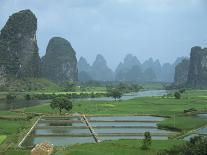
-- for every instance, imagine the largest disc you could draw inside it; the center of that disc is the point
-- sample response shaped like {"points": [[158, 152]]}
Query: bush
{"points": [[196, 146], [177, 95], [182, 90]]}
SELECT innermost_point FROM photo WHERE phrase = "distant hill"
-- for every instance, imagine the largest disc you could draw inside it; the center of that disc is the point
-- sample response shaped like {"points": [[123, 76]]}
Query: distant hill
{"points": [[197, 73], [150, 70], [192, 72], [59, 63], [131, 69], [181, 72], [98, 71]]}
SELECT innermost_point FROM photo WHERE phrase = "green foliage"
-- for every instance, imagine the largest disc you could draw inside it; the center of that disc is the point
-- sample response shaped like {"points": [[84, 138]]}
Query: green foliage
{"points": [[147, 141], [61, 103], [27, 97], [10, 98], [118, 147], [196, 146], [69, 86], [182, 90], [183, 123], [177, 95], [2, 138], [29, 84], [115, 93]]}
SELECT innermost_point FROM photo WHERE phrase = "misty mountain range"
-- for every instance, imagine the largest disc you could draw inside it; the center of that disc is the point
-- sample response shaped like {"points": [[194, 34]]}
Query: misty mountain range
{"points": [[131, 69]]}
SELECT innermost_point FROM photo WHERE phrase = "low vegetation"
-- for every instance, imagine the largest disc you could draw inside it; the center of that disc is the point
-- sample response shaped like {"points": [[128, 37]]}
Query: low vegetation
{"points": [[196, 146], [119, 147], [2, 138], [180, 118]]}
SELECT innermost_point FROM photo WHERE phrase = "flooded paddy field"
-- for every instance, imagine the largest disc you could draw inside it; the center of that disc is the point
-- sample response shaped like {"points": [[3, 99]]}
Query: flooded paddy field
{"points": [[62, 131]]}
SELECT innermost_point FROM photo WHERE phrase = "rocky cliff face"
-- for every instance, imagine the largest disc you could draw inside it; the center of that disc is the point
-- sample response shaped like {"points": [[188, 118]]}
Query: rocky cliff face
{"points": [[84, 70], [181, 72], [59, 62], [197, 75], [18, 46]]}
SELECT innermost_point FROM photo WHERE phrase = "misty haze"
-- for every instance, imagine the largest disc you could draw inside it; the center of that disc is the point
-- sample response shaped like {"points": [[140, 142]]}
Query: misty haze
{"points": [[99, 77]]}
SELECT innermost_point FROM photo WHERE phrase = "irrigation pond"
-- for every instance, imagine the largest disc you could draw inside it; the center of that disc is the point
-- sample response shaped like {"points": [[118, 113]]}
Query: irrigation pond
{"points": [[62, 131]]}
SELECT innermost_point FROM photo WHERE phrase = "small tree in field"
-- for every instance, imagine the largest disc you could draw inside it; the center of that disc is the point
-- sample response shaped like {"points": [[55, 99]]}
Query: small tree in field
{"points": [[27, 97], [115, 93], [147, 141], [10, 100], [61, 103], [177, 95]]}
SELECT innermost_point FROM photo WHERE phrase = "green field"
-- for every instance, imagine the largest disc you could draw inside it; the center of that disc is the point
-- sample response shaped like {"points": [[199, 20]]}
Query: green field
{"points": [[143, 106], [2, 138], [159, 106], [120, 147]]}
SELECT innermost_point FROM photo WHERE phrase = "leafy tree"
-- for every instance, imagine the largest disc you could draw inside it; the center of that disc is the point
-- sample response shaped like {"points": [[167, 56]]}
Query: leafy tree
{"points": [[10, 99], [61, 103], [27, 97], [115, 93], [147, 141], [69, 86], [182, 90], [177, 95]]}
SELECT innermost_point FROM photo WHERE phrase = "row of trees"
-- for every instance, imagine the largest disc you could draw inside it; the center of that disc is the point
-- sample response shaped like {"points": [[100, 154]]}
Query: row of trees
{"points": [[117, 91]]}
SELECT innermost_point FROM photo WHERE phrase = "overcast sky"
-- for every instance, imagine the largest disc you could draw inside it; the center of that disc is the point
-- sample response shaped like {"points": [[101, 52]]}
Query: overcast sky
{"points": [[162, 29]]}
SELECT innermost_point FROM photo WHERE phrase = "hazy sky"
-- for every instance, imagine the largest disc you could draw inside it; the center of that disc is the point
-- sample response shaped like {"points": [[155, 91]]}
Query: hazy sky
{"points": [[162, 29]]}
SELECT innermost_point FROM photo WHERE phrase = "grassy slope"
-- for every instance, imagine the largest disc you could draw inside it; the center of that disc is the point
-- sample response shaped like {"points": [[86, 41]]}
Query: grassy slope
{"points": [[183, 122], [151, 86], [31, 84], [120, 147], [2, 138], [11, 127]]}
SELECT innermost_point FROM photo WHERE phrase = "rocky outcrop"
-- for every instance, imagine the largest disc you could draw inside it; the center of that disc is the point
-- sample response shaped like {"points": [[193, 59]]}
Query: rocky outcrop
{"points": [[124, 71], [197, 75], [181, 72], [100, 70], [83, 65], [60, 63], [84, 70], [18, 46]]}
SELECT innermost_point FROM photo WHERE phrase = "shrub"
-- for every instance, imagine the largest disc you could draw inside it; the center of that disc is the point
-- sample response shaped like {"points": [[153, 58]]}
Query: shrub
{"points": [[147, 141], [177, 95]]}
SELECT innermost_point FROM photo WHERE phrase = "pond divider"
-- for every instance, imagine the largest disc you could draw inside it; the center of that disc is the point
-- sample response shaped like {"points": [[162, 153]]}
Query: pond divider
{"points": [[91, 130], [28, 133]]}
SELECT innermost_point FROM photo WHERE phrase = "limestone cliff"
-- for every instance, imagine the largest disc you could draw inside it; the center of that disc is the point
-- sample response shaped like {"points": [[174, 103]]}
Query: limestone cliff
{"points": [[59, 62], [197, 75], [18, 46], [181, 72]]}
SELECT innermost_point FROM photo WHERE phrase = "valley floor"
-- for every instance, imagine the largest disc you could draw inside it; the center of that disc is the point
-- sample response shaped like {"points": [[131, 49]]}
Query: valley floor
{"points": [[14, 125]]}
